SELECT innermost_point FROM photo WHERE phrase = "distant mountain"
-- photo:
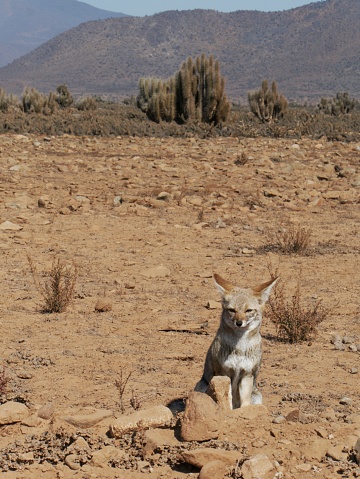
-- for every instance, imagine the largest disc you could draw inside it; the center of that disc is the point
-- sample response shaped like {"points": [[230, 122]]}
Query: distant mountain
{"points": [[311, 51], [26, 24]]}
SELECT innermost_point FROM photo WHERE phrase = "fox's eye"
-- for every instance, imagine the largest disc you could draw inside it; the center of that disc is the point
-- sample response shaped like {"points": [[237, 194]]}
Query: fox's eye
{"points": [[249, 310], [232, 310]]}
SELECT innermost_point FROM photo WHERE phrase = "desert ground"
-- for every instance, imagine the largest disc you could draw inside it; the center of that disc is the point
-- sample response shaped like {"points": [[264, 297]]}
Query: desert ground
{"points": [[147, 222]]}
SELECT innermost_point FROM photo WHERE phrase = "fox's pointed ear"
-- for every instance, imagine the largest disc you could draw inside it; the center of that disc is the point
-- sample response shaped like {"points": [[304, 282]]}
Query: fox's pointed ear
{"points": [[223, 286], [263, 290]]}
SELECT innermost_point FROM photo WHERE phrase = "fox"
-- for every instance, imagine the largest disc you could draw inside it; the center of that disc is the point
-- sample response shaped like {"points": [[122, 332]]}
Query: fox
{"points": [[236, 350]]}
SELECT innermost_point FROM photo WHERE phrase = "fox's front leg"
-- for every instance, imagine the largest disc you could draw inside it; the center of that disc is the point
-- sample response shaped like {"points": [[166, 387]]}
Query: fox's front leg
{"points": [[245, 390]]}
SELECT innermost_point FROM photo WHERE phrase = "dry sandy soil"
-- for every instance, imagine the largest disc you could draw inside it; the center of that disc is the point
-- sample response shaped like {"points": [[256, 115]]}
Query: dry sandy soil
{"points": [[99, 207]]}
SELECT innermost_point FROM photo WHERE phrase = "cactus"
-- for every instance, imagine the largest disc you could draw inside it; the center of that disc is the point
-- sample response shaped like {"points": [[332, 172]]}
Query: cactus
{"points": [[267, 104], [342, 104], [196, 92]]}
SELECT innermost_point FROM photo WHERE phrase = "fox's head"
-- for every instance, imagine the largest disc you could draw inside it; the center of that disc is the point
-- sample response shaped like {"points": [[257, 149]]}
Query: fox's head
{"points": [[242, 307]]}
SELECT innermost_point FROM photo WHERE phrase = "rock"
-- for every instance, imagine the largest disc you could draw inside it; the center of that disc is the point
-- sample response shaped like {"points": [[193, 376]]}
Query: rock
{"points": [[103, 456], [84, 421], [303, 467], [157, 272], [257, 467], [32, 421], [70, 461], [41, 203], [118, 200], [11, 412], [102, 306], [220, 391], [46, 411], [164, 196], [349, 340], [339, 346], [345, 401], [213, 470], [357, 451], [9, 226], [78, 446], [202, 418], [155, 438], [200, 457], [144, 466], [336, 453], [298, 416], [279, 419], [156, 416]]}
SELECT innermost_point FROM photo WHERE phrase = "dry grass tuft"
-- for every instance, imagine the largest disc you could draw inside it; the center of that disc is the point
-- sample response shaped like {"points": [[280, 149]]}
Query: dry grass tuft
{"points": [[58, 290], [292, 240]]}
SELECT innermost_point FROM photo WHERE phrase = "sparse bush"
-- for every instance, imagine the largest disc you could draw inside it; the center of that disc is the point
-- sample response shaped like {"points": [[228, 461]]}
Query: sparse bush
{"points": [[33, 101], [58, 291], [293, 321], [342, 104], [292, 240], [121, 384], [86, 104], [267, 104], [7, 101], [63, 96], [196, 92]]}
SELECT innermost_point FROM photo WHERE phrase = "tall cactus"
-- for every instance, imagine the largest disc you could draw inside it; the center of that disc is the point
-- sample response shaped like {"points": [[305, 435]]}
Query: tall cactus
{"points": [[267, 104], [196, 92]]}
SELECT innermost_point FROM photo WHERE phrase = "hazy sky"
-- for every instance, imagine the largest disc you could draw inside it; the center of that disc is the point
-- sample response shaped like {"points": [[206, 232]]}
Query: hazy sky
{"points": [[149, 7]]}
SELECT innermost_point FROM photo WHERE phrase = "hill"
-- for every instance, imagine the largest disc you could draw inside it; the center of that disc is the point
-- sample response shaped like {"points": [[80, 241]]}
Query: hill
{"points": [[311, 51], [26, 24]]}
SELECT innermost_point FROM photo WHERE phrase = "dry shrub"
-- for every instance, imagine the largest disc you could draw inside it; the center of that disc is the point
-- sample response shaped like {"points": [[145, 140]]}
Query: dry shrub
{"points": [[58, 290], [292, 240], [294, 322], [121, 384]]}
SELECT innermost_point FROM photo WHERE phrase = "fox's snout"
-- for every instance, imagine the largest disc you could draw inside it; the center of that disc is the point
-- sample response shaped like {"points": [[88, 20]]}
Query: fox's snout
{"points": [[240, 319]]}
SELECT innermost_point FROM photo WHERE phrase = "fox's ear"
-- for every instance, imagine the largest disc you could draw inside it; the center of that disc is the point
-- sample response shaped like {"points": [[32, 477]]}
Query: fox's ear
{"points": [[263, 290], [223, 286]]}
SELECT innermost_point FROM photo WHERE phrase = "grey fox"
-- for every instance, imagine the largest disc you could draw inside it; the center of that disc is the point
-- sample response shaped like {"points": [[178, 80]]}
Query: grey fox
{"points": [[236, 350]]}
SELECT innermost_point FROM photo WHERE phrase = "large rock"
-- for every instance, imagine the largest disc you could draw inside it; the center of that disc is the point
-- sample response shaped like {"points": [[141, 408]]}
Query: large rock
{"points": [[258, 467], [12, 412], [157, 416], [155, 438], [202, 418], [202, 456], [213, 470]]}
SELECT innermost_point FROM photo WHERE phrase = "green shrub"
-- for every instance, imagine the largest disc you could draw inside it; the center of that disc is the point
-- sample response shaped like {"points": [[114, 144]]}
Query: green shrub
{"points": [[267, 104]]}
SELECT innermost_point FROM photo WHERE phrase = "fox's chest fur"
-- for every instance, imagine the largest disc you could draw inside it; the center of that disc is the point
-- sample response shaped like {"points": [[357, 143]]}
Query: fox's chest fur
{"points": [[237, 356]]}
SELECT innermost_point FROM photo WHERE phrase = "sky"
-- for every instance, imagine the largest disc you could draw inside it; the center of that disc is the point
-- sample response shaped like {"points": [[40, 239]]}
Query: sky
{"points": [[141, 8]]}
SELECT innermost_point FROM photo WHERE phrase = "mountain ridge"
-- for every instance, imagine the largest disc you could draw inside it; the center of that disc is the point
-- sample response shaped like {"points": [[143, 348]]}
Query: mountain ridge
{"points": [[26, 24], [311, 51]]}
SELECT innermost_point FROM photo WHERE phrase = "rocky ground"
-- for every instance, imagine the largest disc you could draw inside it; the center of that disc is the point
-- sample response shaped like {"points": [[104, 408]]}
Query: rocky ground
{"points": [[147, 221]]}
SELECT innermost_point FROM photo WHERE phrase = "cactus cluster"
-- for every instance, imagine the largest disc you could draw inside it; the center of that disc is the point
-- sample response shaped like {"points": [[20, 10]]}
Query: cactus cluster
{"points": [[340, 105], [196, 92], [267, 104]]}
